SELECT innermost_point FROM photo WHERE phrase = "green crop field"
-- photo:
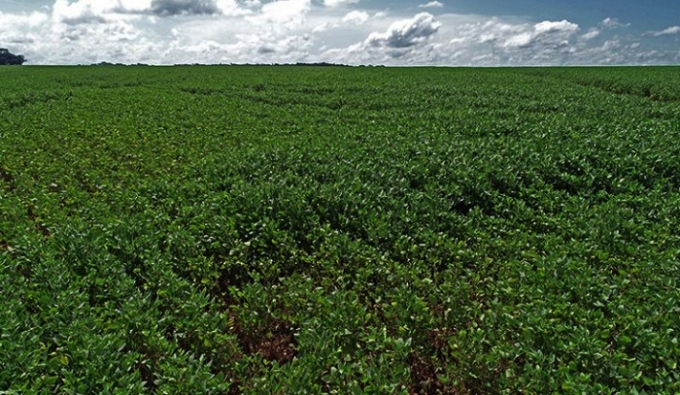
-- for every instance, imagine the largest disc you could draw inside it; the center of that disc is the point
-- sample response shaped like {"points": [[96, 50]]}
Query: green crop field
{"points": [[309, 230]]}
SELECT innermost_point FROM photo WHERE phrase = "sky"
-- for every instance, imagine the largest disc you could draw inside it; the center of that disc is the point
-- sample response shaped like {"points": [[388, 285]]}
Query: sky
{"points": [[397, 32]]}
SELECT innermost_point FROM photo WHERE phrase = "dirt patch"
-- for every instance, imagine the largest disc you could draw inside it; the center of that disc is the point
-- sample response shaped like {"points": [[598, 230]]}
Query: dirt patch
{"points": [[275, 343], [39, 226], [8, 179], [5, 248], [424, 380], [439, 339]]}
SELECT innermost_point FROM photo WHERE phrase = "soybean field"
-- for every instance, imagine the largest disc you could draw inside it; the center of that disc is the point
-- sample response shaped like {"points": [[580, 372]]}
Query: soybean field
{"points": [[339, 230]]}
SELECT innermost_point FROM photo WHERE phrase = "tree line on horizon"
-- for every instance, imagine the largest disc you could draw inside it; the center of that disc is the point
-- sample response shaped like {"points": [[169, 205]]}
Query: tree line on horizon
{"points": [[9, 59]]}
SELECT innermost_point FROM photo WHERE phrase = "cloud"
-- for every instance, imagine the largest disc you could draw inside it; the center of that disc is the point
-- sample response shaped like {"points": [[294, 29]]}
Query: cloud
{"points": [[492, 31], [612, 23], [274, 32], [183, 7], [470, 40], [80, 12], [666, 32], [32, 20], [339, 3], [504, 41], [555, 27], [266, 49], [283, 13], [432, 4], [22, 29], [322, 27], [547, 33], [591, 34], [170, 8], [356, 17], [405, 41], [405, 33], [276, 18]]}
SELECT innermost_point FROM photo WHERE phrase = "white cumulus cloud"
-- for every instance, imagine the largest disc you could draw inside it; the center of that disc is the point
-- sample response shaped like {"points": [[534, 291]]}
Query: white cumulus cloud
{"points": [[406, 33], [405, 40], [432, 4], [591, 34], [169, 8], [339, 3], [281, 15], [544, 33], [666, 32], [356, 17], [554, 27], [613, 23], [81, 12]]}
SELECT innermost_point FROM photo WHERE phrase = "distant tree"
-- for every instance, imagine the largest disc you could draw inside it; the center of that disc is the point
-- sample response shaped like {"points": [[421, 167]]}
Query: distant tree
{"points": [[8, 58]]}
